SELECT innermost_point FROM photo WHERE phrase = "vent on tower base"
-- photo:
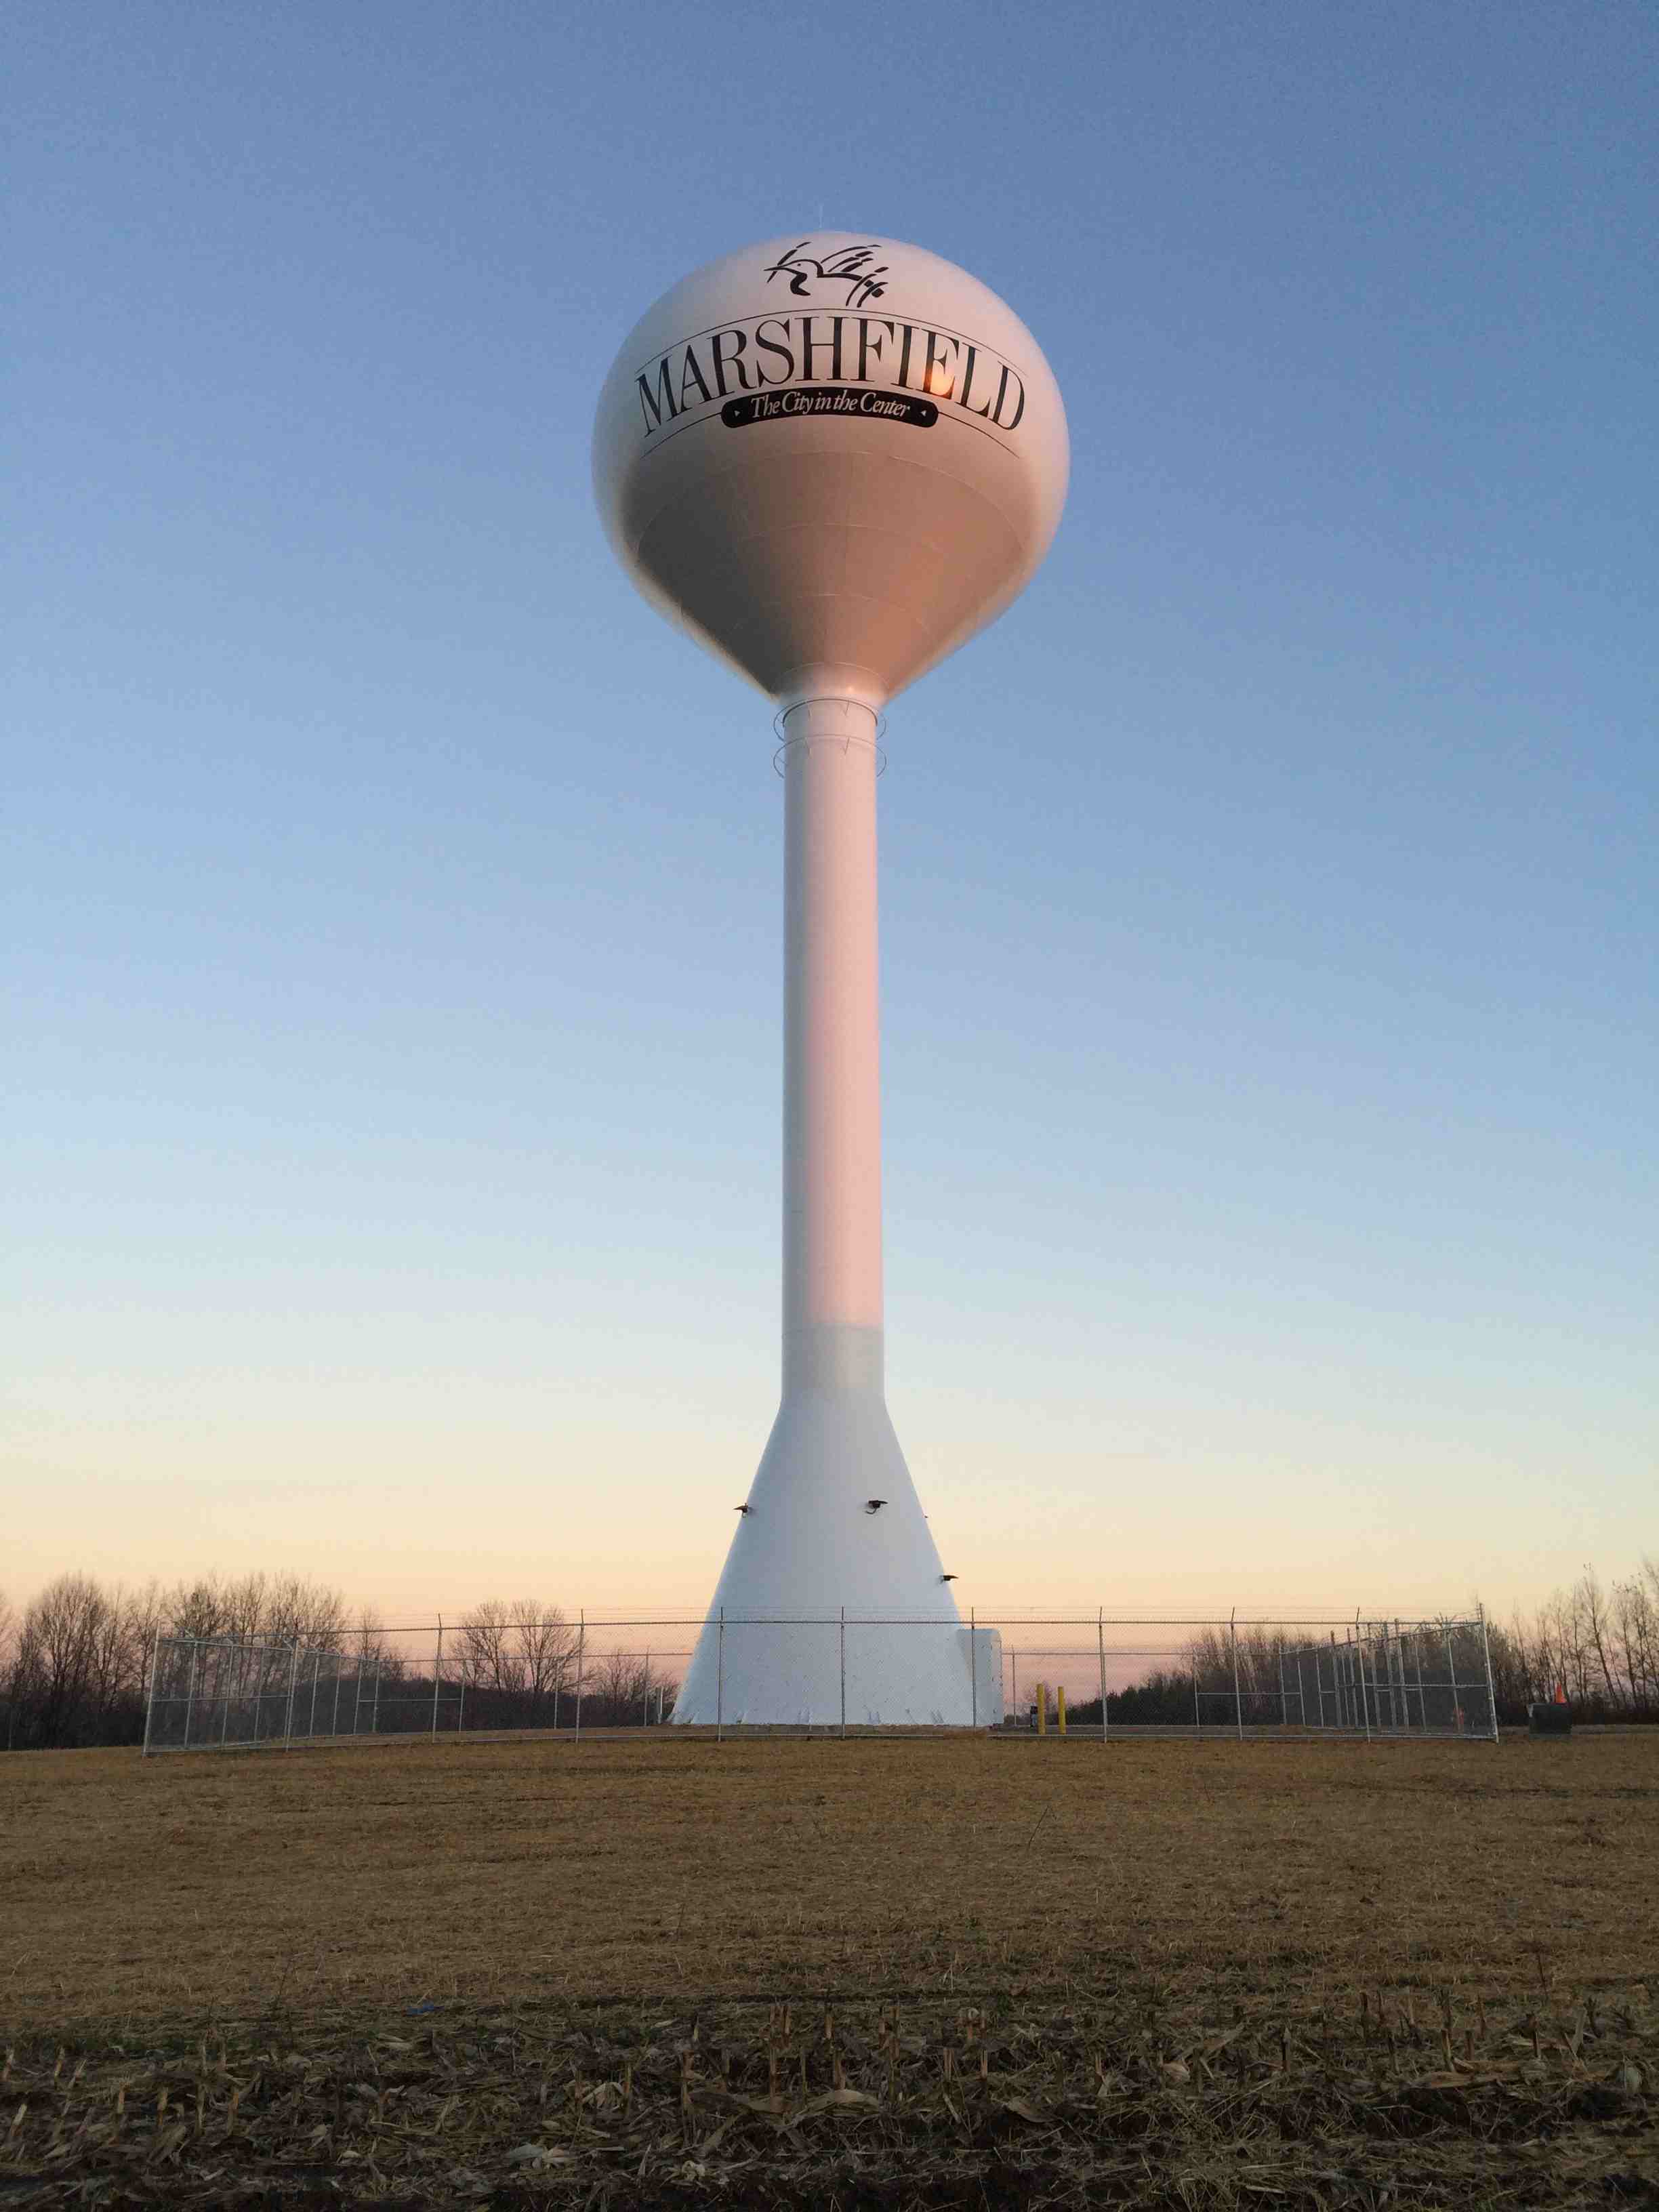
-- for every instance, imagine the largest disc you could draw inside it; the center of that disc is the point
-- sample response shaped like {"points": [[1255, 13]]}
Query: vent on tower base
{"points": [[874, 1504]]}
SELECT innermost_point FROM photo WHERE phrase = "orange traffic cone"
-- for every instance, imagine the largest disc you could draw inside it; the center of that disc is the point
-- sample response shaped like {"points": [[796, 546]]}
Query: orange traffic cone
{"points": [[1560, 1693]]}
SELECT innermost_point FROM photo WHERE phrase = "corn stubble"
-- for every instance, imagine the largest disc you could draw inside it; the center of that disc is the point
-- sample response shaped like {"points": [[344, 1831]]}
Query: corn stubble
{"points": [[806, 1974]]}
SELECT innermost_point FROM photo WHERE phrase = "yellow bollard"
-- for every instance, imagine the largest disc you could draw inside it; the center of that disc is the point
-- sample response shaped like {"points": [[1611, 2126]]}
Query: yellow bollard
{"points": [[1059, 1697], [1043, 1708]]}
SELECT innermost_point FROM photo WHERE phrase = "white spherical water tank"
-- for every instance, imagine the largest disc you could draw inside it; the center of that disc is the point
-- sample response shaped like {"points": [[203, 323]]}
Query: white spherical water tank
{"points": [[832, 459]]}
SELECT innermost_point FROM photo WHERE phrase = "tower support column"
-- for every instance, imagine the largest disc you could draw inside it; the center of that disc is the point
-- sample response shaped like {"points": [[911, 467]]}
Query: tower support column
{"points": [[833, 1606], [832, 1268]]}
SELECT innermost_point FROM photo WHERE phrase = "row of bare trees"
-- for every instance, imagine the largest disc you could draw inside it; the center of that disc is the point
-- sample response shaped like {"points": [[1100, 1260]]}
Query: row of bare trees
{"points": [[74, 1665], [520, 1648], [1201, 1684], [524, 1664], [72, 1668], [1598, 1642]]}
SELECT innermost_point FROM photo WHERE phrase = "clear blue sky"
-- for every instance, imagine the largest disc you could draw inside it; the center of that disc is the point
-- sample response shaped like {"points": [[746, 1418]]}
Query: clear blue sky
{"points": [[391, 924]]}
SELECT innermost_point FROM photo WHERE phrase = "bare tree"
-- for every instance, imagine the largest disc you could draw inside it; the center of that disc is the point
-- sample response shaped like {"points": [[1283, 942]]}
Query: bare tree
{"points": [[1593, 1621], [614, 1692], [1636, 1621], [197, 1608], [621, 1690], [9, 1667], [245, 1609], [296, 1611], [258, 1609], [489, 1647], [143, 1619], [367, 1640], [71, 1667], [546, 1646], [1213, 1659]]}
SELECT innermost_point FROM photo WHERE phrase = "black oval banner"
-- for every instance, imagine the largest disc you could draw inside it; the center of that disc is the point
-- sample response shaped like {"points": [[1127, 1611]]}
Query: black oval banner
{"points": [[797, 399]]}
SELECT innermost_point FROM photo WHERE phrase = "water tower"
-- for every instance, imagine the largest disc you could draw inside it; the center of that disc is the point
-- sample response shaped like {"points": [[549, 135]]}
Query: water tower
{"points": [[832, 459]]}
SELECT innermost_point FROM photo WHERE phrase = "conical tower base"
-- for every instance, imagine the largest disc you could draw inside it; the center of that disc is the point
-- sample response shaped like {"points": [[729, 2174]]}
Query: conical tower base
{"points": [[834, 1528]]}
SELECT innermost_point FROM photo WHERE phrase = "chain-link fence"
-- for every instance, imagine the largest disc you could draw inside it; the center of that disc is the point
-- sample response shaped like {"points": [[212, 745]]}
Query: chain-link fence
{"points": [[230, 1693], [208, 1691], [1085, 1676], [1395, 1678]]}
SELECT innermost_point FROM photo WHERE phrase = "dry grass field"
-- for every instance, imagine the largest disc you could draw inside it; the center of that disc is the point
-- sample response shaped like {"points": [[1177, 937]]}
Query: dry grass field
{"points": [[657, 1970]]}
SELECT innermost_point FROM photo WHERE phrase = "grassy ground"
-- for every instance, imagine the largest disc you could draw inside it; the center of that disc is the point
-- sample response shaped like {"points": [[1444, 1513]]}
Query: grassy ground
{"points": [[657, 1970]]}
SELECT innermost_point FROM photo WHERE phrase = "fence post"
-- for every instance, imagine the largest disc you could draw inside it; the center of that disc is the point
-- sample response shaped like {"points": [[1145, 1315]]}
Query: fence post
{"points": [[374, 1709], [224, 1719], [973, 1660], [437, 1674], [293, 1685], [843, 1670], [581, 1661], [720, 1679], [150, 1701], [645, 1694], [1360, 1661], [460, 1710], [189, 1686], [316, 1669], [1100, 1639], [1013, 1678], [1198, 1719], [1417, 1653], [1485, 1653], [1238, 1708]]}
